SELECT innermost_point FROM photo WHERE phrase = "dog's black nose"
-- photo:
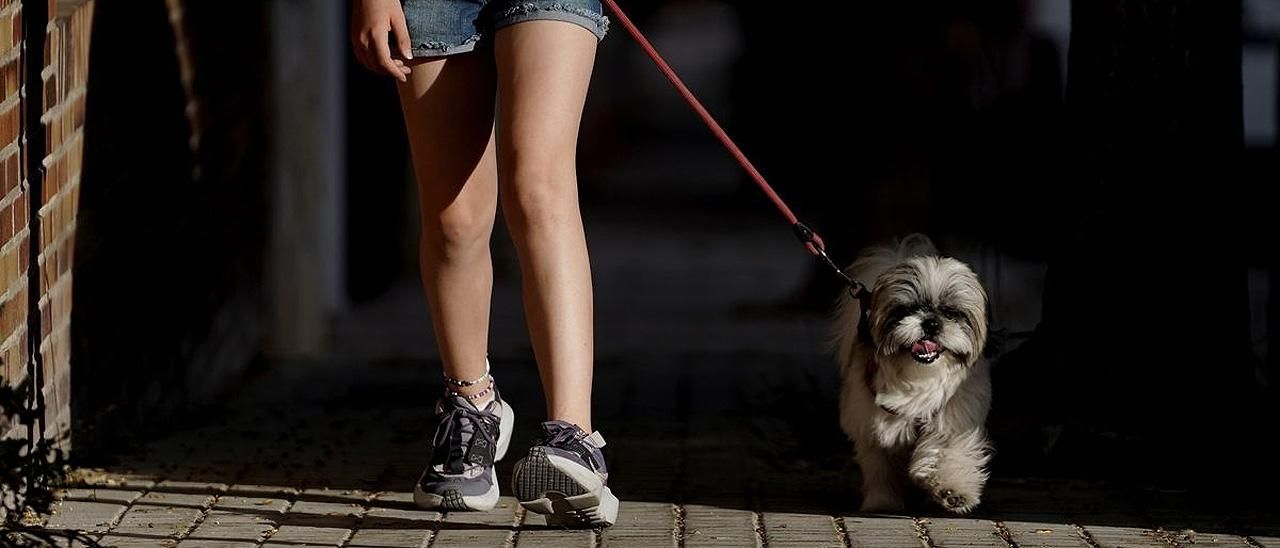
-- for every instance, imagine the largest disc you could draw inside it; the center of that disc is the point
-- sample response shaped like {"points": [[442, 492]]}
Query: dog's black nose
{"points": [[931, 326]]}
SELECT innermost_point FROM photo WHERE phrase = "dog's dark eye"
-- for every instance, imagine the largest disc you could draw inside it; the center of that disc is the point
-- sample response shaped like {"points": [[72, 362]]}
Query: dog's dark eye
{"points": [[899, 312], [950, 312]]}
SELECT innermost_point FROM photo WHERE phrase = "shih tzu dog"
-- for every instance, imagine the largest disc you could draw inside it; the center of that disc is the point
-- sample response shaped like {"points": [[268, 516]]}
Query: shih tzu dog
{"points": [[915, 391]]}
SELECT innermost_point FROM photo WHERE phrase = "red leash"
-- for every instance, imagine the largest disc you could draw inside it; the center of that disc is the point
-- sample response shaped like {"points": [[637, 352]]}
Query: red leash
{"points": [[812, 241]]}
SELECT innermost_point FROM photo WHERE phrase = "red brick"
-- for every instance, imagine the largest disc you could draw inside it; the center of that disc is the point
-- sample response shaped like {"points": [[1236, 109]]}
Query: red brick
{"points": [[7, 39], [7, 129], [6, 223], [8, 272], [9, 78], [46, 318], [51, 182], [17, 23], [7, 182], [13, 312], [24, 253], [22, 215], [12, 121], [15, 360], [68, 205], [11, 175]]}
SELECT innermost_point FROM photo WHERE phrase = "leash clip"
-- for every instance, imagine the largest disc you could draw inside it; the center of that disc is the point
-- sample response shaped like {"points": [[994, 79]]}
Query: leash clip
{"points": [[807, 236]]}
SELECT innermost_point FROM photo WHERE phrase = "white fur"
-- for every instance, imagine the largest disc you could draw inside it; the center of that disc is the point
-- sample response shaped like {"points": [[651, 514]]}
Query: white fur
{"points": [[935, 436]]}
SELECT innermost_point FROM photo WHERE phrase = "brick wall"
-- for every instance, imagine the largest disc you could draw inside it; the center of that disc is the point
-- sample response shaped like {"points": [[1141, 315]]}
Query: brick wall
{"points": [[14, 208], [66, 55], [50, 188]]}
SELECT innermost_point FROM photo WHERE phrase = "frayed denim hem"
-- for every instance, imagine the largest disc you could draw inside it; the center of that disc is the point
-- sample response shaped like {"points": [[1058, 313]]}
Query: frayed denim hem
{"points": [[554, 11], [437, 48]]}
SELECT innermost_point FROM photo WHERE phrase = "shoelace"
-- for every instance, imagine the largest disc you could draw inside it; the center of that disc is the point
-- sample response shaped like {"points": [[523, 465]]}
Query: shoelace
{"points": [[450, 435], [571, 439]]}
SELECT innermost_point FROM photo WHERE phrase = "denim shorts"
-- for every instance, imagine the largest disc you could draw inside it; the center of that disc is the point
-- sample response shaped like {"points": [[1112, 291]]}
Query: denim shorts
{"points": [[446, 27]]}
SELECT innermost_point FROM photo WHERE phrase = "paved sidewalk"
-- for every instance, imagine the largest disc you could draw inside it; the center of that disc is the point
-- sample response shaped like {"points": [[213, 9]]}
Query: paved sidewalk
{"points": [[719, 416], [309, 470]]}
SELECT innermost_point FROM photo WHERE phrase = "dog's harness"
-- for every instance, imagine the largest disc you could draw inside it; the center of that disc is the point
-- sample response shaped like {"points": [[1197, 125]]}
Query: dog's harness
{"points": [[807, 236]]}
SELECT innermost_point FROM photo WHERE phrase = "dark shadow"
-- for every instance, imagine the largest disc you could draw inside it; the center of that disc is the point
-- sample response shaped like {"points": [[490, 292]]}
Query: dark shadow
{"points": [[170, 228]]}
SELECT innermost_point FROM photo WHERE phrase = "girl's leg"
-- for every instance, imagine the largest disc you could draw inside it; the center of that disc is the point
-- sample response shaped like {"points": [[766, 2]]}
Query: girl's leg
{"points": [[543, 70], [448, 111]]}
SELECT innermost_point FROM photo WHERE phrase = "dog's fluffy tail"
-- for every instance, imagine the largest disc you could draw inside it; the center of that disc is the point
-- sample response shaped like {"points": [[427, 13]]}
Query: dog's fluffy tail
{"points": [[868, 267]]}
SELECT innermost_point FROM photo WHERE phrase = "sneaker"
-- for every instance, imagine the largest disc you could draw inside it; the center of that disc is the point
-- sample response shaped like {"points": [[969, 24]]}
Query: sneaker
{"points": [[468, 441], [565, 478]]}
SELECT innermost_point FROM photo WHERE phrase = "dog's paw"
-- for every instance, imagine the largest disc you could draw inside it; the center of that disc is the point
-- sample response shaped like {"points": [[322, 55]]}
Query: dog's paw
{"points": [[881, 503], [955, 501]]}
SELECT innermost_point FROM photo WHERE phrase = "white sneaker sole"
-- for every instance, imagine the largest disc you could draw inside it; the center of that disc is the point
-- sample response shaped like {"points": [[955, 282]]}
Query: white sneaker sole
{"points": [[564, 492], [453, 501]]}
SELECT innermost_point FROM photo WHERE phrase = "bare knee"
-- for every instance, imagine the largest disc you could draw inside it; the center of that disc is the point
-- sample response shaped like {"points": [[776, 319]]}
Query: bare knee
{"points": [[456, 234], [537, 197]]}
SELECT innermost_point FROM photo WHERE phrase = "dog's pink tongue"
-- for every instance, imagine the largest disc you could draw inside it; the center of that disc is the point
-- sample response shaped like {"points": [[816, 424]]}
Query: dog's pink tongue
{"points": [[924, 346]]}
